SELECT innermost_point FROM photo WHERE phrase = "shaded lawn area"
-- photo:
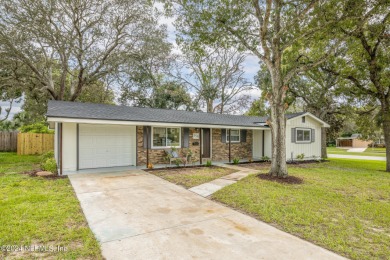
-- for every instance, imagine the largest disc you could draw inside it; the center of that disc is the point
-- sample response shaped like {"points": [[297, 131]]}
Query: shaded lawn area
{"points": [[343, 205], [192, 176], [41, 212], [381, 152]]}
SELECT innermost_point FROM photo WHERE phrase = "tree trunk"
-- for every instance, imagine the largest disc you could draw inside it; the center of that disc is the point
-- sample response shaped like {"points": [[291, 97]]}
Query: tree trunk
{"points": [[324, 153], [386, 132], [278, 127], [278, 133], [209, 106]]}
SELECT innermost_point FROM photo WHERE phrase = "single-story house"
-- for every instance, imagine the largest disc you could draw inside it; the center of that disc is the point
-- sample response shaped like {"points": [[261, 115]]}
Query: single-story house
{"points": [[97, 135], [353, 141]]}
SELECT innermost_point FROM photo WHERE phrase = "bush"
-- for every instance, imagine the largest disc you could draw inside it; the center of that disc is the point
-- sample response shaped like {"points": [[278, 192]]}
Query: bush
{"points": [[236, 160], [38, 128], [208, 163], [47, 155], [265, 158], [301, 156], [50, 165]]}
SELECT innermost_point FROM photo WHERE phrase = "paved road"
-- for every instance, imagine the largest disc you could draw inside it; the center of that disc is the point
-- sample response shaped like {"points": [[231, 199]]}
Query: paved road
{"points": [[359, 157], [136, 215]]}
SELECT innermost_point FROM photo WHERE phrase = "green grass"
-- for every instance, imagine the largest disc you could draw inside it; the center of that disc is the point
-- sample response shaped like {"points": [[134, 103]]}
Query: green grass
{"points": [[191, 177], [343, 205], [368, 152], [42, 212]]}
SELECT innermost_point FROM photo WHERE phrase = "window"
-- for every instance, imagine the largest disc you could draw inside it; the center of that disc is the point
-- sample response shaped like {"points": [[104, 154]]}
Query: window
{"points": [[303, 135], [235, 135], [303, 119], [164, 137]]}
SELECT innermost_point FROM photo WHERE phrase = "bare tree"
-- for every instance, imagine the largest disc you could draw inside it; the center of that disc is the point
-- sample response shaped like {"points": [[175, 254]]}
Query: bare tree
{"points": [[217, 77], [66, 45]]}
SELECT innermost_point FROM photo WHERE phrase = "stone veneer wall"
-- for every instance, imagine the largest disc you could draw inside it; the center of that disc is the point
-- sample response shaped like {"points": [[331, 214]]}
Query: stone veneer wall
{"points": [[157, 156], [220, 151], [242, 150]]}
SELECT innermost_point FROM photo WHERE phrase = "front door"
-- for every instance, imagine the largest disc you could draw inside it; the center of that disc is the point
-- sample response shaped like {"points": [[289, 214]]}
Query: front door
{"points": [[206, 144]]}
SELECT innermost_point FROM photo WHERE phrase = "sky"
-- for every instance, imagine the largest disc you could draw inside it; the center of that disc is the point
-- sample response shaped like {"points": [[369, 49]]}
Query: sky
{"points": [[251, 66]]}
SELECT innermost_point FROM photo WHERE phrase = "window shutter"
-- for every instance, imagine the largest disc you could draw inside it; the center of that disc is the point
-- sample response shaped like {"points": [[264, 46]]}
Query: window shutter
{"points": [[186, 137], [146, 136], [293, 135], [243, 136], [313, 135], [223, 135]]}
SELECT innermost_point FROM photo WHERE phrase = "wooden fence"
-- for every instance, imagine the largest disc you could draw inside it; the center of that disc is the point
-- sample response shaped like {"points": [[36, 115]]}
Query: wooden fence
{"points": [[8, 141], [30, 143]]}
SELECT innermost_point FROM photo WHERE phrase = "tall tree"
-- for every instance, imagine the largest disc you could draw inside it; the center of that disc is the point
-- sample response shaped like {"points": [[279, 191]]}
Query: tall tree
{"points": [[144, 80], [365, 65], [67, 45], [280, 33], [320, 92], [217, 77]]}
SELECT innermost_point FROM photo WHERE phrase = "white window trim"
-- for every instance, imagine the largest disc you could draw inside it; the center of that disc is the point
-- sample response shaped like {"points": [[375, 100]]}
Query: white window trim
{"points": [[165, 147], [239, 136], [303, 129]]}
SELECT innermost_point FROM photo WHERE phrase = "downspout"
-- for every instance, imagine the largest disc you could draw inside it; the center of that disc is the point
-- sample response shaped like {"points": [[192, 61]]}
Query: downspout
{"points": [[200, 146], [61, 149], [147, 146], [230, 148], [78, 148], [262, 144]]}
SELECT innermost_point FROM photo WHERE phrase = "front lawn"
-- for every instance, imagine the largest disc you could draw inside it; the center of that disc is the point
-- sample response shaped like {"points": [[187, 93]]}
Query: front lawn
{"points": [[342, 205], [368, 152], [36, 211], [192, 176]]}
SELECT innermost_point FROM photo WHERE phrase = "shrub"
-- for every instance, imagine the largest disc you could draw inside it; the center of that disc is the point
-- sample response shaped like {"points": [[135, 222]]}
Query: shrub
{"points": [[265, 158], [38, 128], [208, 163], [301, 156], [47, 155], [50, 165], [177, 162], [236, 160]]}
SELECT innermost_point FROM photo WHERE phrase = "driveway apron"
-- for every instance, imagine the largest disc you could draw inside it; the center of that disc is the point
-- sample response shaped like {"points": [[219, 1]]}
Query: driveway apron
{"points": [[136, 215]]}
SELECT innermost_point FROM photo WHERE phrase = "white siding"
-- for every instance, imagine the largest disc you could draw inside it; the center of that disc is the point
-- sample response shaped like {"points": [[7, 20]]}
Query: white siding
{"points": [[257, 144], [267, 143], [309, 149], [56, 141], [69, 147]]}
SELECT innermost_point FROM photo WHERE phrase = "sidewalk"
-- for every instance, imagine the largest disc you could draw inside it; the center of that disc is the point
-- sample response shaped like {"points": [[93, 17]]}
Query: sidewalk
{"points": [[357, 157], [206, 189]]}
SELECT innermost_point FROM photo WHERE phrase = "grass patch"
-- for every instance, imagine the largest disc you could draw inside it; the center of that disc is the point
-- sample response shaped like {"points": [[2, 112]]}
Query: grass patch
{"points": [[192, 176], [381, 152], [41, 212], [342, 205]]}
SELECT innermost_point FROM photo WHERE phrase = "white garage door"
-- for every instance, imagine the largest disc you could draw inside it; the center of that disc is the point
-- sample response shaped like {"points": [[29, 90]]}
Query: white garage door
{"points": [[106, 146]]}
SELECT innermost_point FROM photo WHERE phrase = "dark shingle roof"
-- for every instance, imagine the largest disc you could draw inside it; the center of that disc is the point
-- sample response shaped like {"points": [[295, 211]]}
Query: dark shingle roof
{"points": [[66, 109]]}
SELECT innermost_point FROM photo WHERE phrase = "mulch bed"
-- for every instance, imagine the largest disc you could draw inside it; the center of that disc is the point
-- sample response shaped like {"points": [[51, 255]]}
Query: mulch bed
{"points": [[33, 173], [288, 180], [170, 168], [180, 169]]}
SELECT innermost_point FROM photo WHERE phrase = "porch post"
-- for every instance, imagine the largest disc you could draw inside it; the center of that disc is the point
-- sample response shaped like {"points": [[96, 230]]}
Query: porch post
{"points": [[60, 159], [200, 146], [262, 144], [230, 148], [147, 146]]}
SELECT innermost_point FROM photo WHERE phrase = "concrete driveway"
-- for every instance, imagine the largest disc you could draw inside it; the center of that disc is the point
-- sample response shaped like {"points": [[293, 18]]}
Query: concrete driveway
{"points": [[136, 215]]}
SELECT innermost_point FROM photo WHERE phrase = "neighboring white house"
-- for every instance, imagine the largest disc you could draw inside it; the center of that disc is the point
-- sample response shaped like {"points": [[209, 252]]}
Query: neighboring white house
{"points": [[97, 135]]}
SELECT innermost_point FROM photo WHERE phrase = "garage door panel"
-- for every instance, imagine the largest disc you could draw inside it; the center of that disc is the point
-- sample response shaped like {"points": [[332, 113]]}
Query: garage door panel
{"points": [[106, 146]]}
